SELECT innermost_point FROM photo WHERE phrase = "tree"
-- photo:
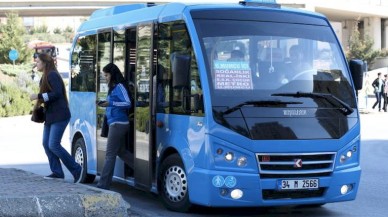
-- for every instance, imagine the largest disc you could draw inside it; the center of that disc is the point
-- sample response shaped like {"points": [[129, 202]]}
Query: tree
{"points": [[12, 38], [40, 29], [68, 32], [57, 30], [361, 48]]}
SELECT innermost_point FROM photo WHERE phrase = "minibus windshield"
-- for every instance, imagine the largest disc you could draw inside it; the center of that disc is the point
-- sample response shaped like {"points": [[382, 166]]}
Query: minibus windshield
{"points": [[252, 60]]}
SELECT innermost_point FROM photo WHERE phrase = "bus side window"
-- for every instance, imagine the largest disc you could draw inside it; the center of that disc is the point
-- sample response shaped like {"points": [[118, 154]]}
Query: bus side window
{"points": [[173, 39], [83, 72], [159, 85]]}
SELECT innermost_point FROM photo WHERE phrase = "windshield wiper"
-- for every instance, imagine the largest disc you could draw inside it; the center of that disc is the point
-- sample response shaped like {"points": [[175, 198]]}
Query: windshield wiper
{"points": [[335, 101], [261, 103]]}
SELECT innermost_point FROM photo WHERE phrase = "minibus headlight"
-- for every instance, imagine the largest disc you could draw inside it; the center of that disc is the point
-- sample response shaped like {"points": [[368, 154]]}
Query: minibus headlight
{"points": [[226, 157], [342, 158], [242, 161], [236, 194], [348, 154], [229, 156], [346, 188]]}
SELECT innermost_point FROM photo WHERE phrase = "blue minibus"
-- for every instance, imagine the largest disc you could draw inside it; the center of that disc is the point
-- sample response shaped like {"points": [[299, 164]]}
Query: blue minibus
{"points": [[234, 105]]}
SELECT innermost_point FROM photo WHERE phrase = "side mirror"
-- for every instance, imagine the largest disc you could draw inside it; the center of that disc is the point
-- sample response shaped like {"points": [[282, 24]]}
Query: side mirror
{"points": [[180, 66], [357, 69]]}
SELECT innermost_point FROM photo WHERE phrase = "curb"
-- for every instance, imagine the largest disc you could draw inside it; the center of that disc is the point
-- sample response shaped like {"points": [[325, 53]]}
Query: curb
{"points": [[75, 206], [34, 196]]}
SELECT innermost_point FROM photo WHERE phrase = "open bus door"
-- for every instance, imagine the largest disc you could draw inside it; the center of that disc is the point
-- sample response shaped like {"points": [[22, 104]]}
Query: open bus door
{"points": [[103, 58], [143, 145]]}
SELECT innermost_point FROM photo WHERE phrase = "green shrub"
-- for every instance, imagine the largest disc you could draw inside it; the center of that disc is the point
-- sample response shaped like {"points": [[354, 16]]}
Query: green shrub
{"points": [[53, 38], [57, 31], [40, 29], [142, 115], [15, 70], [15, 96], [13, 101]]}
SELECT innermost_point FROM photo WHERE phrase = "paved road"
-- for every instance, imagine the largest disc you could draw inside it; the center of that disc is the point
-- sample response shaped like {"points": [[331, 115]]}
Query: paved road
{"points": [[20, 147], [21, 141], [371, 200]]}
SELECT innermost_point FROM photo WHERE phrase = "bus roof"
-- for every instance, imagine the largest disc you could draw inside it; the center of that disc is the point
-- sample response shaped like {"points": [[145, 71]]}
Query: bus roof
{"points": [[131, 14]]}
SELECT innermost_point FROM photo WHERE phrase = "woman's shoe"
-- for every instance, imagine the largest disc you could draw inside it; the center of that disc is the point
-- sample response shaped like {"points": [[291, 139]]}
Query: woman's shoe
{"points": [[53, 176]]}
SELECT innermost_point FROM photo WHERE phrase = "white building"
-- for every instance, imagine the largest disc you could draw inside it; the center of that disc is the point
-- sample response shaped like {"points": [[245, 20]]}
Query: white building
{"points": [[371, 16]]}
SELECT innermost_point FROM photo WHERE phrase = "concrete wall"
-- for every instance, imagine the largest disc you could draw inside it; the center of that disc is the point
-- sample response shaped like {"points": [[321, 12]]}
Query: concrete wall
{"points": [[372, 28], [380, 62]]}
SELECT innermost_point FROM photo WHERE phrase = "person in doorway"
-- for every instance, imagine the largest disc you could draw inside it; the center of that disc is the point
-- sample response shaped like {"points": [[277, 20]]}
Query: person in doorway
{"points": [[378, 85], [117, 106], [52, 93]]}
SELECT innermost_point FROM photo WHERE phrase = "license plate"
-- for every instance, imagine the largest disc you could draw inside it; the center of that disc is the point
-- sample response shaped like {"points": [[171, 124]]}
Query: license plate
{"points": [[297, 184]]}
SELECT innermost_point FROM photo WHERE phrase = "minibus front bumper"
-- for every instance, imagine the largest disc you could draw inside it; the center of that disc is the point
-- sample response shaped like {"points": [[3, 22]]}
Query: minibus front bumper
{"points": [[233, 189]]}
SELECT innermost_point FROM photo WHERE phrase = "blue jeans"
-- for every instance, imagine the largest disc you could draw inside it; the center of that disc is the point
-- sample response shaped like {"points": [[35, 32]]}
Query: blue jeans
{"points": [[378, 100], [52, 136]]}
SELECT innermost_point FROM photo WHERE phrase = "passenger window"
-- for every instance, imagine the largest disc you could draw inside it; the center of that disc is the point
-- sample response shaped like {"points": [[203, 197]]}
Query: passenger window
{"points": [[83, 71], [173, 40]]}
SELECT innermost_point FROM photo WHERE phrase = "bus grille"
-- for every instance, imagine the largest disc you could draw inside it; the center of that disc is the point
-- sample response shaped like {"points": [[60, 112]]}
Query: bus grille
{"points": [[295, 165], [294, 194]]}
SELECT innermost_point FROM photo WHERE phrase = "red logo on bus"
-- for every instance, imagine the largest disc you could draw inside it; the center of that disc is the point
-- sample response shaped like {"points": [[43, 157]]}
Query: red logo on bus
{"points": [[265, 158], [297, 163]]}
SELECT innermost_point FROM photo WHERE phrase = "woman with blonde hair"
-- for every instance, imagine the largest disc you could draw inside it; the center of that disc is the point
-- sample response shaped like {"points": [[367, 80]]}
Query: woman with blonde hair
{"points": [[52, 94]]}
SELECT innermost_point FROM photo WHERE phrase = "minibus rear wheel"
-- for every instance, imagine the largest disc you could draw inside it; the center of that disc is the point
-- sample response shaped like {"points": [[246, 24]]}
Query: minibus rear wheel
{"points": [[173, 185], [79, 153]]}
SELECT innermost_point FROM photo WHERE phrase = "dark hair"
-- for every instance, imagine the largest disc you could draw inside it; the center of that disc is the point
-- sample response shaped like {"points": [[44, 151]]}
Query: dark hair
{"points": [[49, 63], [116, 77], [49, 66]]}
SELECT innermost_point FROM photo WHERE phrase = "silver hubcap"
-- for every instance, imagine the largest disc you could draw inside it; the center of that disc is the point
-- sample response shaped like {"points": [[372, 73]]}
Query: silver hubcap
{"points": [[79, 156], [175, 183]]}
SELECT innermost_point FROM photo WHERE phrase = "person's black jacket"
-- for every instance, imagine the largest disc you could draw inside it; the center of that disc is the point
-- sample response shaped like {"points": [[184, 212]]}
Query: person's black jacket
{"points": [[56, 106], [375, 84]]}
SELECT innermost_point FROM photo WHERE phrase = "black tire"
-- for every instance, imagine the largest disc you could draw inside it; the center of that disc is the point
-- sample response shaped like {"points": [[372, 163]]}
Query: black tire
{"points": [[173, 185], [80, 155]]}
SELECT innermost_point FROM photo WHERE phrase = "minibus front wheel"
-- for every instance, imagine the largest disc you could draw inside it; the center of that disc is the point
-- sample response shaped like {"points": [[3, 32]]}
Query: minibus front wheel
{"points": [[173, 186], [80, 155]]}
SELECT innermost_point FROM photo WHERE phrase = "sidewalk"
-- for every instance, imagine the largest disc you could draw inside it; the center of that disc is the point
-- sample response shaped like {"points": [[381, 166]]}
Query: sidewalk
{"points": [[26, 194]]}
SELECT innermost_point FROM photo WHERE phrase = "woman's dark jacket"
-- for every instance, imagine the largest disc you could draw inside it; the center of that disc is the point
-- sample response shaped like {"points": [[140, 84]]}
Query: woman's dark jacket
{"points": [[56, 106]]}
